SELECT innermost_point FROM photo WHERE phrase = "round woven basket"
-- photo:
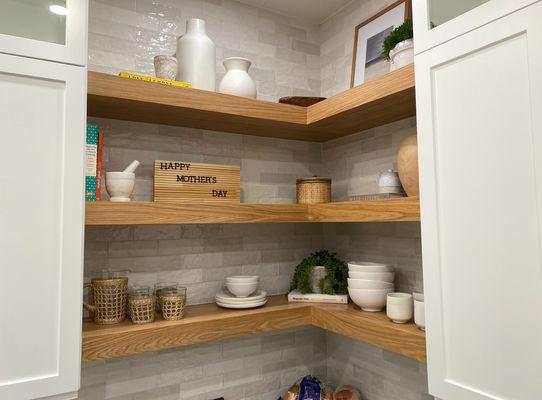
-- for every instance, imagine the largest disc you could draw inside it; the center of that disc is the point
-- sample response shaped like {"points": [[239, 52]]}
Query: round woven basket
{"points": [[109, 297], [313, 190], [141, 309], [173, 305]]}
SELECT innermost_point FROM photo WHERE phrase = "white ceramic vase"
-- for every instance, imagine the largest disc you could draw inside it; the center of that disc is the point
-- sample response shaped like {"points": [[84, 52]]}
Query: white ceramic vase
{"points": [[196, 56], [402, 54], [237, 81]]}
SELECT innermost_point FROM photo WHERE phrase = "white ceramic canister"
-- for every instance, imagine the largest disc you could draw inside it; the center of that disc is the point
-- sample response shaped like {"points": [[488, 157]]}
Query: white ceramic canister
{"points": [[402, 54], [389, 182], [237, 81], [196, 56]]}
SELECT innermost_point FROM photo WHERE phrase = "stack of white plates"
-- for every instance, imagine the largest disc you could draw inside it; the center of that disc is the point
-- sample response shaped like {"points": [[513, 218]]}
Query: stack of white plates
{"points": [[369, 284], [227, 300]]}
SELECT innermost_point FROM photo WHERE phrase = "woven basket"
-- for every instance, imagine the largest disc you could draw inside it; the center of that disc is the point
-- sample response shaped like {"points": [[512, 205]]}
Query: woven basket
{"points": [[109, 297], [141, 309], [173, 305], [313, 190]]}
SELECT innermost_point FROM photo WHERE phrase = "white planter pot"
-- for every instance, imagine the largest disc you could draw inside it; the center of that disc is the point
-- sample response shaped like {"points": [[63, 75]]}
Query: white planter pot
{"points": [[196, 56], [237, 81], [402, 54]]}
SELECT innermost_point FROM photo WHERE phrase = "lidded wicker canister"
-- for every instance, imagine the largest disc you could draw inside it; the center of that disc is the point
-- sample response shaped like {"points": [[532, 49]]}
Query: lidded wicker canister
{"points": [[313, 190], [109, 294]]}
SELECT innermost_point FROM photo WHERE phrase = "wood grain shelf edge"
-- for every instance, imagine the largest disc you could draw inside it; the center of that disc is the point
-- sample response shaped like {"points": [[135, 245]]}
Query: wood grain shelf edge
{"points": [[208, 322]]}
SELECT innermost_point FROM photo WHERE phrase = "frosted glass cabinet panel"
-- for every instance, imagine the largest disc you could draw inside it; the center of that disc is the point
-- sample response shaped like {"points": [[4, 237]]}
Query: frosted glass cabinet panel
{"points": [[34, 19], [442, 11], [53, 30]]}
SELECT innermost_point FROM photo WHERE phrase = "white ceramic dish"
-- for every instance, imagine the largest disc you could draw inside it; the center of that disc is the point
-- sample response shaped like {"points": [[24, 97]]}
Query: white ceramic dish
{"points": [[371, 300], [372, 276], [362, 266], [119, 185], [242, 278], [368, 284], [242, 289], [399, 307], [243, 305], [419, 310], [227, 297]]}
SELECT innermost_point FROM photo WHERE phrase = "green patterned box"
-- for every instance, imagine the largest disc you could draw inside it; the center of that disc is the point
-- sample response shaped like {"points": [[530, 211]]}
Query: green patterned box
{"points": [[90, 166]]}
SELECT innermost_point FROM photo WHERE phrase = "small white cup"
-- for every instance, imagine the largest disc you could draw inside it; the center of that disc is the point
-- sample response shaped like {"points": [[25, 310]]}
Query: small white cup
{"points": [[119, 185], [419, 310], [399, 307]]}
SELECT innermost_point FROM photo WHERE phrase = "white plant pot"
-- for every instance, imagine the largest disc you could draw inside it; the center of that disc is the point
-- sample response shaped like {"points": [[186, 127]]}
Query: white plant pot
{"points": [[237, 81], [402, 54], [196, 56]]}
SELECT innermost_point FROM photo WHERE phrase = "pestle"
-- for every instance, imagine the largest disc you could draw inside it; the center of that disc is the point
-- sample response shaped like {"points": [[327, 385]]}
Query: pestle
{"points": [[132, 167]]}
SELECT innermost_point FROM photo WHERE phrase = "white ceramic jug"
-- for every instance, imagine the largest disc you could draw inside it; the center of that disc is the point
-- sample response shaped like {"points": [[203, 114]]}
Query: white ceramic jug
{"points": [[237, 81], [196, 56]]}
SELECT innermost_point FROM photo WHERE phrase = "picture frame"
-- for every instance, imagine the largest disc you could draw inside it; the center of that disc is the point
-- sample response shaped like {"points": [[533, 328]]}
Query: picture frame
{"points": [[367, 59]]}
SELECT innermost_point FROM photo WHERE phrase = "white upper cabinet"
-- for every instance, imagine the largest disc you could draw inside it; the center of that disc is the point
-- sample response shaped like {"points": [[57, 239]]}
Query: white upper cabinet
{"points": [[437, 21], [479, 102], [50, 30], [43, 113]]}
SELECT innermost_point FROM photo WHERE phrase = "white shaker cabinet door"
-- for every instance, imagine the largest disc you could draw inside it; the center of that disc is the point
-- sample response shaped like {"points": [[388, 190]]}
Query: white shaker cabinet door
{"points": [[42, 119], [47, 30], [479, 102]]}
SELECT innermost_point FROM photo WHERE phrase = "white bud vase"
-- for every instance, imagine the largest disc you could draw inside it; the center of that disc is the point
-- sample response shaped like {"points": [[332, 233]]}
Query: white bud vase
{"points": [[237, 81], [196, 56]]}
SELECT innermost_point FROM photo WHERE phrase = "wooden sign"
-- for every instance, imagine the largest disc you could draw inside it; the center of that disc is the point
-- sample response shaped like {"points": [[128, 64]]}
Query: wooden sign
{"points": [[188, 182]]}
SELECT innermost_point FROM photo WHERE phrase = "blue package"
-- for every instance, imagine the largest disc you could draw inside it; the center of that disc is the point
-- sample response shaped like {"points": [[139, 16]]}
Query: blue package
{"points": [[309, 388]]}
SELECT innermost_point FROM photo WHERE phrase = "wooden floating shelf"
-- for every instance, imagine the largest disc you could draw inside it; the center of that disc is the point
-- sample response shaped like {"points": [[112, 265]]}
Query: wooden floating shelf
{"points": [[380, 101], [208, 322], [149, 213]]}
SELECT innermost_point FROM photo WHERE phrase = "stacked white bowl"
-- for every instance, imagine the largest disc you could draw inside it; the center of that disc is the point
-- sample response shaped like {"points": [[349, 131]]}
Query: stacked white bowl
{"points": [[369, 284], [242, 292]]}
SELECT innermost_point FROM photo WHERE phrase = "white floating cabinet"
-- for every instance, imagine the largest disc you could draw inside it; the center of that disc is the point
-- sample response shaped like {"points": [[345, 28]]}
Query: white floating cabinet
{"points": [[479, 98]]}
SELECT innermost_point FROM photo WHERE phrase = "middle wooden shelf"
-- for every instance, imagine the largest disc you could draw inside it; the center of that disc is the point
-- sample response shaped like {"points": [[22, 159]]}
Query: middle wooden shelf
{"points": [[208, 322], [150, 213]]}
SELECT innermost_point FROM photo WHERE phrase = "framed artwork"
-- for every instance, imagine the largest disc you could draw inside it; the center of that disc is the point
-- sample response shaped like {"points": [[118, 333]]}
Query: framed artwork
{"points": [[367, 60]]}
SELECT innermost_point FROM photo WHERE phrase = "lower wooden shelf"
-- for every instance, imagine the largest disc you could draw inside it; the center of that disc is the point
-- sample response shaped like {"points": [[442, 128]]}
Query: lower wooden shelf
{"points": [[149, 213], [208, 322]]}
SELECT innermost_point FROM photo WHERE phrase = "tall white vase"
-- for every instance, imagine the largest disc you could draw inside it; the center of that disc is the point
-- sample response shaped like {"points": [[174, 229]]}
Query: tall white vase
{"points": [[237, 81], [196, 56]]}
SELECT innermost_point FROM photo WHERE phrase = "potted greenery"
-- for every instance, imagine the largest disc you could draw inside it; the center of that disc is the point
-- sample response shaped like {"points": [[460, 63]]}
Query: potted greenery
{"points": [[334, 281], [399, 46]]}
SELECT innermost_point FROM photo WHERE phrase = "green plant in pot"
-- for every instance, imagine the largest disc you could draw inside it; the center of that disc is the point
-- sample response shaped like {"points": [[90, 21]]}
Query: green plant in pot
{"points": [[398, 46], [334, 281]]}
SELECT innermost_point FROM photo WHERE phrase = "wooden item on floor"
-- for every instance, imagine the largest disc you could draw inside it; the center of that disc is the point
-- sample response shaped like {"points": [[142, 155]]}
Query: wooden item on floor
{"points": [[188, 182], [407, 165], [149, 213], [208, 322], [301, 101], [313, 190], [380, 101]]}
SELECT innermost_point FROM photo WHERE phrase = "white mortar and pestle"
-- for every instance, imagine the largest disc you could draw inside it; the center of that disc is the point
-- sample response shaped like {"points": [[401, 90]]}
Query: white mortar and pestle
{"points": [[120, 185]]}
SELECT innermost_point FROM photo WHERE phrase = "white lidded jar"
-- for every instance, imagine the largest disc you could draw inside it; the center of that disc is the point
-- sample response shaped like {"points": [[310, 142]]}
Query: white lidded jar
{"points": [[196, 56], [237, 81]]}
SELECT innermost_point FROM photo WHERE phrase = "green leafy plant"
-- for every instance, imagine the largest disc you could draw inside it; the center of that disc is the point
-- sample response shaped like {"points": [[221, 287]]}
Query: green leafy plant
{"points": [[335, 280], [402, 32]]}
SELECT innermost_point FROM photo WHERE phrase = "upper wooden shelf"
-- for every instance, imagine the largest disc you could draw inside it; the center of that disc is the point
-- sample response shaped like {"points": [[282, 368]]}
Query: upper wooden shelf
{"points": [[380, 101], [208, 322], [149, 213]]}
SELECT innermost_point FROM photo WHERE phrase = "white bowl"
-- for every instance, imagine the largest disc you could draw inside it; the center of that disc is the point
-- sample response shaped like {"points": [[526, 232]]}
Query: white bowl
{"points": [[372, 276], [242, 278], [399, 307], [362, 266], [371, 300], [419, 310], [119, 185], [367, 284], [242, 289]]}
